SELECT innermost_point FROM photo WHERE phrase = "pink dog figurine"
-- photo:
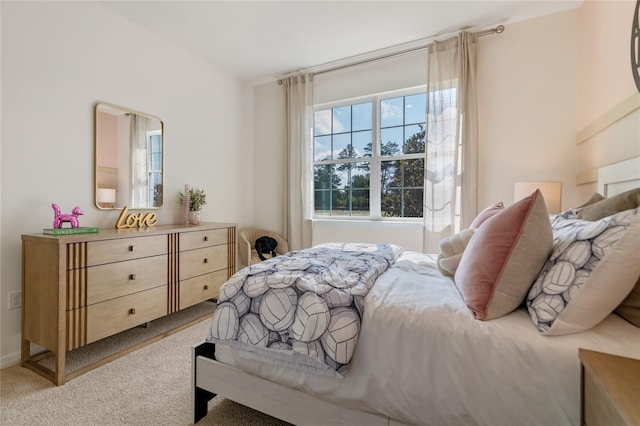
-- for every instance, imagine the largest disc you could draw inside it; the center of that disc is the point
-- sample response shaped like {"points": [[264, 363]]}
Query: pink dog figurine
{"points": [[59, 219]]}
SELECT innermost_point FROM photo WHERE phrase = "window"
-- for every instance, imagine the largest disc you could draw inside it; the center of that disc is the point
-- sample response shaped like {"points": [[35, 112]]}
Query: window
{"points": [[369, 157], [154, 161]]}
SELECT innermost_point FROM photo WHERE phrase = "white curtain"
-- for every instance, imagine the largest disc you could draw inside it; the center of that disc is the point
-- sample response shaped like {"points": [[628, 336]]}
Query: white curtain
{"points": [[139, 160], [298, 155], [450, 201]]}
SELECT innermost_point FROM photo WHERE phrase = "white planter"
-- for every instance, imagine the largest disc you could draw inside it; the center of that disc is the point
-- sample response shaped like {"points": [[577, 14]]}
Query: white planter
{"points": [[194, 217]]}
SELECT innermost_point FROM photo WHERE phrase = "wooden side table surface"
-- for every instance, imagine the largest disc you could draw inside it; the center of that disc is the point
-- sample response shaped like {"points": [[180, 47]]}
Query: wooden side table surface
{"points": [[610, 389]]}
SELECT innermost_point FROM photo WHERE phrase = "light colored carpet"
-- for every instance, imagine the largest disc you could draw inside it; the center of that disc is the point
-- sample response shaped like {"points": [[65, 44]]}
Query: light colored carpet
{"points": [[151, 386]]}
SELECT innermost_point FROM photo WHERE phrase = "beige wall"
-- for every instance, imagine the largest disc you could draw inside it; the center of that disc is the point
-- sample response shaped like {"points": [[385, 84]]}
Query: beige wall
{"points": [[531, 86], [527, 98], [528, 87], [58, 60], [268, 164], [605, 62], [606, 80]]}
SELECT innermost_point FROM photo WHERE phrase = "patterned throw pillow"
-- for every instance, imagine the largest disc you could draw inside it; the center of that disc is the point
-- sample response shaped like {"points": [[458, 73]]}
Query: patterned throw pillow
{"points": [[592, 268]]}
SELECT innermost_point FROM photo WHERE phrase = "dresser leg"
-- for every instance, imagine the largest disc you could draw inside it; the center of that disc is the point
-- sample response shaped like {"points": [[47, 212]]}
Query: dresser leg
{"points": [[60, 364], [25, 351]]}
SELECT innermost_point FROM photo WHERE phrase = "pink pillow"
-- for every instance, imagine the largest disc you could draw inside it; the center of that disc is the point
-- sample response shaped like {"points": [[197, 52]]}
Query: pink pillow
{"points": [[486, 214], [504, 258]]}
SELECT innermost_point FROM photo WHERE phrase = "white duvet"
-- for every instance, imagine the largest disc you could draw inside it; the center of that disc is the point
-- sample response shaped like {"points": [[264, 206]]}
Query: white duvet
{"points": [[423, 359]]}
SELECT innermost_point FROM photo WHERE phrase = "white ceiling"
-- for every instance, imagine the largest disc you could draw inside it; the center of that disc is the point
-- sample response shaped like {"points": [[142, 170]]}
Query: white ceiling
{"points": [[260, 40]]}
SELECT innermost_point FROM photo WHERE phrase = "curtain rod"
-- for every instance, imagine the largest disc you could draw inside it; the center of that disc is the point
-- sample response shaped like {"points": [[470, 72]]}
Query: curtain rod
{"points": [[497, 30]]}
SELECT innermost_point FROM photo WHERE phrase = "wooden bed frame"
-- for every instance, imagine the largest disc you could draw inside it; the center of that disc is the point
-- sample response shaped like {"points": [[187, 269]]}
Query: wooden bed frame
{"points": [[211, 377]]}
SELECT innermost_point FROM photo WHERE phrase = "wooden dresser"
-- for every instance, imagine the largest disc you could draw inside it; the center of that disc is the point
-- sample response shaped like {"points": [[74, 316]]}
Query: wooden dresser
{"points": [[81, 288]]}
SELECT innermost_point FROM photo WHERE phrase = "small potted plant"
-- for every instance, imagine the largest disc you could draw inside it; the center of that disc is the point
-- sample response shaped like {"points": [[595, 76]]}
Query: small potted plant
{"points": [[197, 199]]}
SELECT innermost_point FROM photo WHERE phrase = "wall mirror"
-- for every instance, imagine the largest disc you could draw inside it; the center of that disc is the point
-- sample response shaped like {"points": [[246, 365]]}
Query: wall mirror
{"points": [[129, 164]]}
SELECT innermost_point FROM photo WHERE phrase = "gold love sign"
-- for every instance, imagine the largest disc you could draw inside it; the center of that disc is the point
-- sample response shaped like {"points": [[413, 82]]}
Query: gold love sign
{"points": [[133, 220]]}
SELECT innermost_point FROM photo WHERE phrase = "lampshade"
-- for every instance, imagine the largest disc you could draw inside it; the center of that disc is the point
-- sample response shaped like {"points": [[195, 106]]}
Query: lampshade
{"points": [[106, 195], [551, 191]]}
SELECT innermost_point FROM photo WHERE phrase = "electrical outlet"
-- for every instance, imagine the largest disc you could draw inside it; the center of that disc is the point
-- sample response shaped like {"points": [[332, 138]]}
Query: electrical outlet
{"points": [[15, 300]]}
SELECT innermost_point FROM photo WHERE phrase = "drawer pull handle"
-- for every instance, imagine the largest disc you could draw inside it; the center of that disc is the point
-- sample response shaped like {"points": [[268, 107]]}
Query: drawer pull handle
{"points": [[206, 260], [206, 287], [206, 238], [132, 277], [132, 311], [130, 248]]}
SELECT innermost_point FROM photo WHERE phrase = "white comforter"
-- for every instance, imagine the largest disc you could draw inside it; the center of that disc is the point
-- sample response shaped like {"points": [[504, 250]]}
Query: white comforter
{"points": [[423, 359]]}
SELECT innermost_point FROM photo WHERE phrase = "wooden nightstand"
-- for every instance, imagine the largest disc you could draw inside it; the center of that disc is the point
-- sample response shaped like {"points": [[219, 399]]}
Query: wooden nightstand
{"points": [[610, 389]]}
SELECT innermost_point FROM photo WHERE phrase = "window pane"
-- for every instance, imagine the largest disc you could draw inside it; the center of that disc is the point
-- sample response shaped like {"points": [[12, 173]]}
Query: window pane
{"points": [[391, 203], [361, 142], [322, 122], [360, 175], [402, 188], [322, 148], [415, 108], [392, 141], [322, 203], [341, 175], [156, 161], [391, 111], [360, 202], [414, 173], [156, 143], [155, 189], [342, 119], [390, 174], [342, 146], [362, 116], [324, 177], [414, 139], [412, 203], [340, 203], [349, 194]]}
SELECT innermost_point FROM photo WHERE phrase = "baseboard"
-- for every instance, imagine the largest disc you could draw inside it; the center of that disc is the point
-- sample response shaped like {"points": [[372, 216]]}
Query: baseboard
{"points": [[9, 360]]}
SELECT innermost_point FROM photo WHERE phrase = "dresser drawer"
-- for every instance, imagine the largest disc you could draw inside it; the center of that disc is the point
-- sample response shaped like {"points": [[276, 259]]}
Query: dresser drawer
{"points": [[107, 251], [118, 279], [200, 239], [202, 261], [199, 289], [116, 315]]}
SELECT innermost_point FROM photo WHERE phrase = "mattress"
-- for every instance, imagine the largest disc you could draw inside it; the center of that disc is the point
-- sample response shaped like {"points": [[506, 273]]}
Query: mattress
{"points": [[422, 358]]}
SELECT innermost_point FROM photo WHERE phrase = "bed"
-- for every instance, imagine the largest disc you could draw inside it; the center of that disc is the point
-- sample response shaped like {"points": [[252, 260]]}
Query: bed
{"points": [[424, 357]]}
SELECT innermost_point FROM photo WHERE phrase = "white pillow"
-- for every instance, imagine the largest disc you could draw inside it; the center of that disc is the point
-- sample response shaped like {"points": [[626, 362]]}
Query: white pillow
{"points": [[593, 267]]}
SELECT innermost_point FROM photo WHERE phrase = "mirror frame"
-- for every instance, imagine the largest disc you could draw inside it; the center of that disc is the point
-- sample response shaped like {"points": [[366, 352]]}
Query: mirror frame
{"points": [[96, 148]]}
